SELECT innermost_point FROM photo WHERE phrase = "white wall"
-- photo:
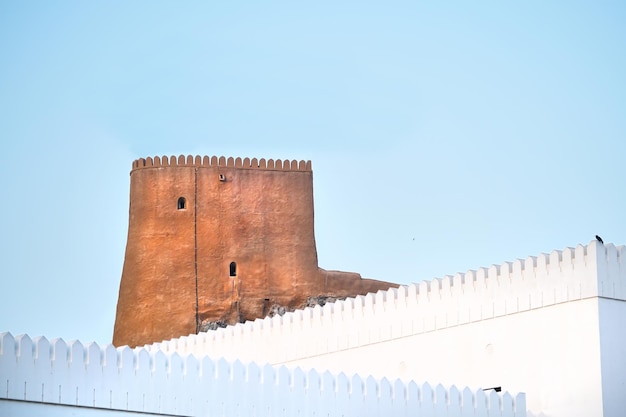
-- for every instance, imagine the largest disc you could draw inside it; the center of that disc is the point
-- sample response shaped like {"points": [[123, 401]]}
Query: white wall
{"points": [[613, 356], [550, 326], [558, 367], [90, 377], [531, 326]]}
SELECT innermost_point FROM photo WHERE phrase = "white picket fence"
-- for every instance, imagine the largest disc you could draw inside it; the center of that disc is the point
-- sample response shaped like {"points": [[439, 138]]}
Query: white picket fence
{"points": [[53, 372]]}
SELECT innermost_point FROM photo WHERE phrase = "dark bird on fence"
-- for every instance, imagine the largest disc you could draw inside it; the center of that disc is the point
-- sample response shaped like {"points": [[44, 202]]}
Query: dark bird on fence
{"points": [[599, 239]]}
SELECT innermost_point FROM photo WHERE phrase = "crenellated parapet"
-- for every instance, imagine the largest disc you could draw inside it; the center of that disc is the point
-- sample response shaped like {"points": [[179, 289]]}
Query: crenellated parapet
{"points": [[72, 374], [222, 240], [522, 325], [510, 288], [547, 325], [222, 162]]}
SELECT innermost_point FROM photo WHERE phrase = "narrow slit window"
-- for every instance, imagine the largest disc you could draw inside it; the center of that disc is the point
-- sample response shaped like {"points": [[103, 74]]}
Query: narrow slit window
{"points": [[233, 269], [182, 203]]}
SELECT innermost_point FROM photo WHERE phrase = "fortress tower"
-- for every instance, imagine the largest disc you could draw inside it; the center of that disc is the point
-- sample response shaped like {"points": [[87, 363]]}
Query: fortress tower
{"points": [[219, 240]]}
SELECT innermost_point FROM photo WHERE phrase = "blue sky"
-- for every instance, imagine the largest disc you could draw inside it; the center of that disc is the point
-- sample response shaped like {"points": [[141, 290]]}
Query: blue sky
{"points": [[444, 137]]}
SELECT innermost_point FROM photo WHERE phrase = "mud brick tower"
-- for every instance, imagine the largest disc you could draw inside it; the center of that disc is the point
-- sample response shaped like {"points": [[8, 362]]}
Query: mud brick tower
{"points": [[216, 240]]}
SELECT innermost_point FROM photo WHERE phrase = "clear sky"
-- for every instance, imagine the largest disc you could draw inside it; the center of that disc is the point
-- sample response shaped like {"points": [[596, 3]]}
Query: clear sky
{"points": [[444, 136]]}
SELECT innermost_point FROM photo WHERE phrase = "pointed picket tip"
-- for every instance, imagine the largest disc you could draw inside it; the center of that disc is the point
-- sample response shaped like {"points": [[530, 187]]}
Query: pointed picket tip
{"points": [[223, 369], [207, 367], [59, 350], [329, 382], [400, 390], [93, 353], [43, 350], [253, 373], [495, 402], [314, 380], [284, 376], [454, 400], [125, 357], [372, 387], [342, 383], [159, 363], [412, 386], [24, 345], [269, 374], [4, 336], [239, 371], [520, 403], [385, 389], [77, 354], [191, 365], [427, 393], [299, 379], [507, 402], [468, 399], [441, 394], [143, 362]]}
